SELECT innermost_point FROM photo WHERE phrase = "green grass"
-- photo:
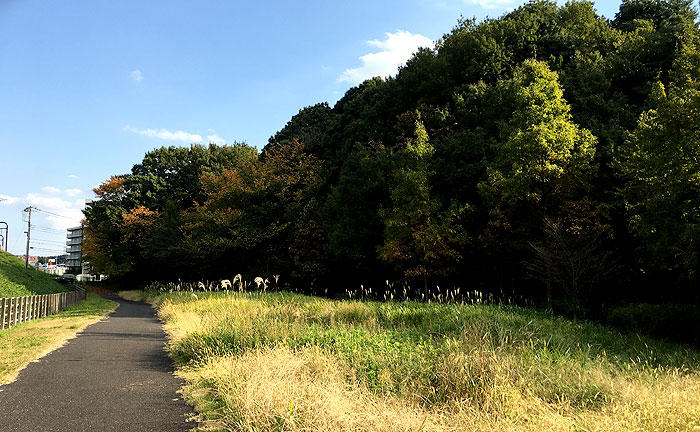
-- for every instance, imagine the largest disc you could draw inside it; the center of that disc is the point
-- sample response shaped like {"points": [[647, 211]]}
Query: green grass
{"points": [[28, 341], [16, 281], [438, 365]]}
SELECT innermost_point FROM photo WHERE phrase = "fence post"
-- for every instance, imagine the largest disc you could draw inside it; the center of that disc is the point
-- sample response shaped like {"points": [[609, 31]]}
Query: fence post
{"points": [[2, 313], [17, 310]]}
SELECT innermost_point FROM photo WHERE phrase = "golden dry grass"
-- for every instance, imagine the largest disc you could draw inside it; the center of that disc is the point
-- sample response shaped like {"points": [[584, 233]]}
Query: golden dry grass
{"points": [[279, 362]]}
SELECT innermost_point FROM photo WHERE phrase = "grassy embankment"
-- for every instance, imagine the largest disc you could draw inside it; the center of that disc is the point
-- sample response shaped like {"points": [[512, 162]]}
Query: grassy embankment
{"points": [[29, 341], [284, 362], [16, 281]]}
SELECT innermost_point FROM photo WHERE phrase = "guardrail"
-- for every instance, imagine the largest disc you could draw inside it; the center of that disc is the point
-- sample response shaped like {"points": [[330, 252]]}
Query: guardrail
{"points": [[16, 310]]}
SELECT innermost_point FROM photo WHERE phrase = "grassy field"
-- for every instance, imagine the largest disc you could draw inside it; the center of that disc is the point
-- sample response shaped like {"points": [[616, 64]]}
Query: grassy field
{"points": [[17, 281], [29, 341], [286, 362]]}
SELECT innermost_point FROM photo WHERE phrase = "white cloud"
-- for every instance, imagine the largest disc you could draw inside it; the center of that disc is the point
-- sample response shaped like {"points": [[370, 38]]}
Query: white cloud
{"points": [[73, 176], [136, 75], [65, 213], [51, 190], [73, 192], [166, 134], [506, 5], [491, 4], [214, 138], [395, 50], [8, 200]]}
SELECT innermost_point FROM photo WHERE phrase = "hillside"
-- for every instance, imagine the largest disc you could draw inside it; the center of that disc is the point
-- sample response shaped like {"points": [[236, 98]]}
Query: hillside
{"points": [[281, 361], [15, 280]]}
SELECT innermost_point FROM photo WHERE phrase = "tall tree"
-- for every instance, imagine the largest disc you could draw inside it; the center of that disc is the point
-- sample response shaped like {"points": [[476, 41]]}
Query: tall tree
{"points": [[662, 165], [419, 237], [541, 157], [251, 209]]}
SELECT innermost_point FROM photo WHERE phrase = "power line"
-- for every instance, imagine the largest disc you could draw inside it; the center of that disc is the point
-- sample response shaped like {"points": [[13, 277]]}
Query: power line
{"points": [[51, 251], [48, 243], [45, 228], [43, 241], [54, 214]]}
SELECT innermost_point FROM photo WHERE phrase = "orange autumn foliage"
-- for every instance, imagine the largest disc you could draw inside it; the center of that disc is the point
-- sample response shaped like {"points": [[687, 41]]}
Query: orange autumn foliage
{"points": [[109, 187]]}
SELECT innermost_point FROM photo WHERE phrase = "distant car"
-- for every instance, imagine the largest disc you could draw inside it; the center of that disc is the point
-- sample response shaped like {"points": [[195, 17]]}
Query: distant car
{"points": [[68, 276]]}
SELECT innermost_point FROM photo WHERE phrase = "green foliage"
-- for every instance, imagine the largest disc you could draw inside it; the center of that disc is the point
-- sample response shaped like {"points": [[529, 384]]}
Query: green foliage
{"points": [[542, 156], [16, 281], [309, 127], [136, 216], [352, 208], [254, 207], [546, 111], [419, 237], [678, 322], [662, 166]]}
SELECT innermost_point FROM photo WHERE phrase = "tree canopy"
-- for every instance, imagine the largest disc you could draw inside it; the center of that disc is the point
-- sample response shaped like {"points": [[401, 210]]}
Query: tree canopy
{"points": [[455, 171]]}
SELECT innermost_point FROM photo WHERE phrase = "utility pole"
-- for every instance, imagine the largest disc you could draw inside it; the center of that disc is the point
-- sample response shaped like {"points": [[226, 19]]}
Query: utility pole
{"points": [[7, 234], [29, 233]]}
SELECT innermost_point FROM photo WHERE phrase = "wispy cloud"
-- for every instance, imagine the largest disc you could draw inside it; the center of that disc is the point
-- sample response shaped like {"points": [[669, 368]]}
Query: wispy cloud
{"points": [[394, 51], [73, 192], [72, 176], [491, 4], [165, 134], [8, 200], [136, 75], [214, 138], [51, 190]]}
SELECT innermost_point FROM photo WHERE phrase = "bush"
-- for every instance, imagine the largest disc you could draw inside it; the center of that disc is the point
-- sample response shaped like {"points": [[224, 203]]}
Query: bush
{"points": [[678, 322]]}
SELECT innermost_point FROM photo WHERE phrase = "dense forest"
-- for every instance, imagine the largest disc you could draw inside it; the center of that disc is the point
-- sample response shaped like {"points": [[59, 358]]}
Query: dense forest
{"points": [[550, 153]]}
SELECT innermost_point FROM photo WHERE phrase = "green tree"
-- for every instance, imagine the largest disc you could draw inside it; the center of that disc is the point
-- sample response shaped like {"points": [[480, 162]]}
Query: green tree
{"points": [[352, 221], [309, 126], [541, 157], [419, 238], [251, 209], [662, 165], [126, 231]]}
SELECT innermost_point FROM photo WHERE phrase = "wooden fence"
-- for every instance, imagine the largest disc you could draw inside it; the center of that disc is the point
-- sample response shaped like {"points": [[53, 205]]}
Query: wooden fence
{"points": [[16, 310]]}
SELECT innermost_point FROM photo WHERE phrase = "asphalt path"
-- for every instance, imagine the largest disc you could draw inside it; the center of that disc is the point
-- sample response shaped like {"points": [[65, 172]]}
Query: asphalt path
{"points": [[115, 376]]}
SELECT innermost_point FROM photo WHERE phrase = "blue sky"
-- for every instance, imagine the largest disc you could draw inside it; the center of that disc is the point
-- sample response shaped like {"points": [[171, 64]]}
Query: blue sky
{"points": [[88, 87]]}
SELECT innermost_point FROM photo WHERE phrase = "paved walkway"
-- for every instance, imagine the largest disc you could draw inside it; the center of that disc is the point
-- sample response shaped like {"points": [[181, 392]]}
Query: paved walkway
{"points": [[115, 376]]}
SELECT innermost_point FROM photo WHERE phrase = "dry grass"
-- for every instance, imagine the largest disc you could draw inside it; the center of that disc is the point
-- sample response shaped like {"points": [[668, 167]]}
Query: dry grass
{"points": [[30, 341], [283, 362], [281, 389]]}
